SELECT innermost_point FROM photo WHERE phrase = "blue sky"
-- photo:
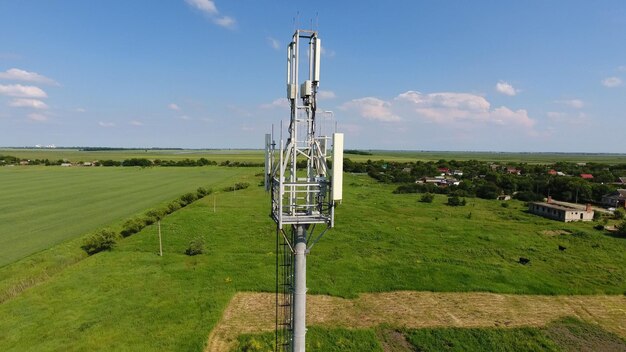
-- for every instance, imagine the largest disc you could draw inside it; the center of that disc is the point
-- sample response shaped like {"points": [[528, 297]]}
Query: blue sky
{"points": [[426, 75]]}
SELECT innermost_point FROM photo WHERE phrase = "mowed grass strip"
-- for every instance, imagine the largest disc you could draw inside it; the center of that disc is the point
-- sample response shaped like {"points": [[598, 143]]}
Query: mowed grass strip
{"points": [[44, 206]]}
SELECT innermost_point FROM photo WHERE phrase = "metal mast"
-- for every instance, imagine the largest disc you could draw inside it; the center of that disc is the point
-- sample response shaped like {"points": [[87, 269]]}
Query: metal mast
{"points": [[304, 189]]}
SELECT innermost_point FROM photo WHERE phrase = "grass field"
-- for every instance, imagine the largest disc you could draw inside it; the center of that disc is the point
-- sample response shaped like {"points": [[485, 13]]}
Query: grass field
{"points": [[44, 206], [76, 155], [562, 335], [132, 299]]}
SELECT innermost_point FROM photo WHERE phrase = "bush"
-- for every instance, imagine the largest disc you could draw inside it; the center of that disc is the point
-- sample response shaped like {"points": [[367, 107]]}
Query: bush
{"points": [[154, 215], [196, 246], [187, 199], [618, 214], [102, 240], [621, 228], [504, 205], [427, 198], [202, 192], [597, 216], [455, 201], [238, 186], [132, 226], [173, 206]]}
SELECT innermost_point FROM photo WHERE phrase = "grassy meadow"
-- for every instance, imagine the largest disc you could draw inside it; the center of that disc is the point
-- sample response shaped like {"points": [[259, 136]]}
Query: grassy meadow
{"points": [[44, 206], [563, 335], [132, 299]]}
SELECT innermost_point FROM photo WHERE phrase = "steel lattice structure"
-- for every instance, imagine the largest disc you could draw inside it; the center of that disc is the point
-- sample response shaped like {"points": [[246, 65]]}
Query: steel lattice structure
{"points": [[304, 190]]}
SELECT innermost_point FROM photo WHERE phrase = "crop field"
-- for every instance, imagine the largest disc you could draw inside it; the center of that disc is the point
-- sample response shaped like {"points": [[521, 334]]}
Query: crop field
{"points": [[132, 299], [76, 155], [44, 206], [256, 155]]}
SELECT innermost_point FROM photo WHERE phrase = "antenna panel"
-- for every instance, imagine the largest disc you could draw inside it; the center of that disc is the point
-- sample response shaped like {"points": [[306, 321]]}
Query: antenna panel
{"points": [[337, 166], [316, 64]]}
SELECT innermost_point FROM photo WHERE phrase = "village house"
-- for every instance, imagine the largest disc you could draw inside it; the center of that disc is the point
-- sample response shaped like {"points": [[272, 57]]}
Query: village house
{"points": [[513, 170], [560, 212], [586, 176], [443, 171], [615, 199]]}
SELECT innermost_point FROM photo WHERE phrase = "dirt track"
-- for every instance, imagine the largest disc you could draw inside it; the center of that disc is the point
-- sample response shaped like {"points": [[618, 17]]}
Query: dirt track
{"points": [[254, 312]]}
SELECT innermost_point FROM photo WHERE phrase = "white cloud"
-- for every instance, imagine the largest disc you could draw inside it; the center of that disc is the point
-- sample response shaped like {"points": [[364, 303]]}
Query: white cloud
{"points": [[612, 82], [106, 124], [208, 7], [28, 103], [174, 107], [326, 94], [20, 91], [37, 117], [15, 74], [573, 103], [81, 110], [183, 117], [506, 89], [281, 103], [372, 109], [446, 108], [622, 68], [136, 123], [225, 21], [274, 43]]}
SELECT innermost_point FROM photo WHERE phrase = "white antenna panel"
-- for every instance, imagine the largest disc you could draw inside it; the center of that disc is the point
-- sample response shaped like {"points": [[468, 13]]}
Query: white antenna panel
{"points": [[318, 52], [337, 166]]}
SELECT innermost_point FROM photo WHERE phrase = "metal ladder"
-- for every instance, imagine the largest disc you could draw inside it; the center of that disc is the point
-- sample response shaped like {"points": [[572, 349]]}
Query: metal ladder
{"points": [[284, 294]]}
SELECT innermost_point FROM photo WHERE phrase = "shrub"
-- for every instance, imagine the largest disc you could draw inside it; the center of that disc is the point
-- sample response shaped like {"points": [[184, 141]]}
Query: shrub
{"points": [[132, 226], [618, 214], [196, 246], [202, 192], [102, 240], [173, 206], [187, 199], [504, 205], [455, 201], [621, 228], [153, 216], [597, 216], [237, 186], [427, 198]]}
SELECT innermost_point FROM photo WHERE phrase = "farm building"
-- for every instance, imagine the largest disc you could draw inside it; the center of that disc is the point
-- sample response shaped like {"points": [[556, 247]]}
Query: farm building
{"points": [[560, 212], [615, 199]]}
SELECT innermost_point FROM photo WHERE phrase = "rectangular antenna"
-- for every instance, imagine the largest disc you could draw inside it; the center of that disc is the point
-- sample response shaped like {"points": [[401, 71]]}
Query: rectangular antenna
{"points": [[316, 63], [337, 166]]}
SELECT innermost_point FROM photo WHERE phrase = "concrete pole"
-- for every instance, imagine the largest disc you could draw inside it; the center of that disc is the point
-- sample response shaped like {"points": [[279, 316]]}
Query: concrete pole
{"points": [[299, 296]]}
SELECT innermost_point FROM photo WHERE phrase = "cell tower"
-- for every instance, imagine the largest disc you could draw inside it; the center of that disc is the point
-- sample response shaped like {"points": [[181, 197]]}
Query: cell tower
{"points": [[304, 190]]}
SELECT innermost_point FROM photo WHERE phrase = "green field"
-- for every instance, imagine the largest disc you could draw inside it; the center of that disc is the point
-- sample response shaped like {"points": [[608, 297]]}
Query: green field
{"points": [[44, 206], [567, 335], [132, 299], [76, 155]]}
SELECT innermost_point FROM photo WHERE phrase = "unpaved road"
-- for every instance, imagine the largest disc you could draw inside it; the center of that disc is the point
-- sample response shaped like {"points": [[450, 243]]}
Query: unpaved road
{"points": [[255, 312]]}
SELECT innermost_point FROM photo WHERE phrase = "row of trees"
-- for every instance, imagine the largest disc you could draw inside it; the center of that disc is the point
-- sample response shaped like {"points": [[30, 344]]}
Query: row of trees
{"points": [[488, 180]]}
